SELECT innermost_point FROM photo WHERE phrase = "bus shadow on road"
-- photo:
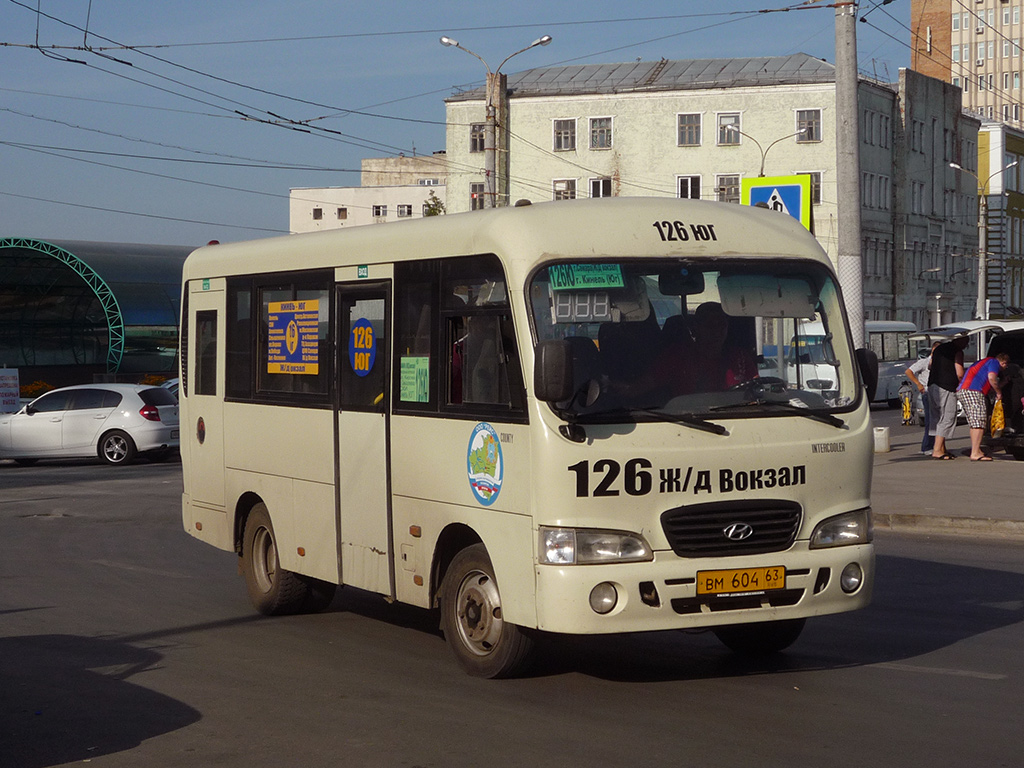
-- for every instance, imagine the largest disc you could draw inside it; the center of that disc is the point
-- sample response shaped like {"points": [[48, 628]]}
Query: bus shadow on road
{"points": [[68, 699]]}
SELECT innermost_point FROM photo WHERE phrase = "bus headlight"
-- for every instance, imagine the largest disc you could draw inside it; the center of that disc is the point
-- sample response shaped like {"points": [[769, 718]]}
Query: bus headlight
{"points": [[841, 530], [571, 546]]}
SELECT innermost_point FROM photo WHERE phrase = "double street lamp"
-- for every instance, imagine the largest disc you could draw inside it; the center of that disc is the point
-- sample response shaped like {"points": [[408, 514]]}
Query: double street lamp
{"points": [[763, 150], [981, 308], [495, 94]]}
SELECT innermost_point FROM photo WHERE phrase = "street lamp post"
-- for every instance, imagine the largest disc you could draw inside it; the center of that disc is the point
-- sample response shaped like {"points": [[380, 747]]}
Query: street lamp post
{"points": [[981, 307], [764, 151], [493, 91]]}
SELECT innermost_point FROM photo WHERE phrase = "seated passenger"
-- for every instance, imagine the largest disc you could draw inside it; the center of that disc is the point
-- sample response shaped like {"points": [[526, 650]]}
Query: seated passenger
{"points": [[716, 363]]}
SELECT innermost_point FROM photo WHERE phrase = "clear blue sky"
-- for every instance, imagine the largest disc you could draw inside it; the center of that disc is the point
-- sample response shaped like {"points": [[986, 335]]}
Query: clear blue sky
{"points": [[191, 136]]}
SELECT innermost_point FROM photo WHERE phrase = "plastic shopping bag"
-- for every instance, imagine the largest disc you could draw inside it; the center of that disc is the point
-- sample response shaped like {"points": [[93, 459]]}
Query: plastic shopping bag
{"points": [[998, 420]]}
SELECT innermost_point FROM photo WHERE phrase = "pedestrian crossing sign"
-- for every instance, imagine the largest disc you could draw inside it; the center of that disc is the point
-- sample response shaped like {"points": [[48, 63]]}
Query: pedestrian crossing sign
{"points": [[787, 194]]}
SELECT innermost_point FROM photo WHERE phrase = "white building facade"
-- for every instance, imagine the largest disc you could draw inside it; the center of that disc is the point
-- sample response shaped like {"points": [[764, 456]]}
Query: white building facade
{"points": [[696, 128], [392, 189]]}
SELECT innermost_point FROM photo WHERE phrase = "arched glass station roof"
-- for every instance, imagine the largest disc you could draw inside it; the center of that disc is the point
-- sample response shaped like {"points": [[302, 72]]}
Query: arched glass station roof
{"points": [[112, 307]]}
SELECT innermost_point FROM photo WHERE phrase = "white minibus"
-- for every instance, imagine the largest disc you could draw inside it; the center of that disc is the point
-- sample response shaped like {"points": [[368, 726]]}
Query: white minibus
{"points": [[539, 419], [888, 339]]}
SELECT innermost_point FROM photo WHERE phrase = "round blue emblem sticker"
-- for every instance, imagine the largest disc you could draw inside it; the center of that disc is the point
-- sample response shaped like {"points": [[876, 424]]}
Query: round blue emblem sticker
{"points": [[484, 465], [362, 347]]}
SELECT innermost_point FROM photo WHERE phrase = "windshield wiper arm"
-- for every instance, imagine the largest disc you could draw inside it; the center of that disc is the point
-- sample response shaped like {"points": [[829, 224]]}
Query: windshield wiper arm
{"points": [[796, 410], [686, 419]]}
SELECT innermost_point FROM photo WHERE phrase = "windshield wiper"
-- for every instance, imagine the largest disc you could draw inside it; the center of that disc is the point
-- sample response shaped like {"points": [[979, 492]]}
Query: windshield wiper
{"points": [[686, 419], [796, 410]]}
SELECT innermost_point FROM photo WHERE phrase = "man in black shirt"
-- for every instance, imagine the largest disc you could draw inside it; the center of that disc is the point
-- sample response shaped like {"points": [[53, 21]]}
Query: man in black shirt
{"points": [[944, 376]]}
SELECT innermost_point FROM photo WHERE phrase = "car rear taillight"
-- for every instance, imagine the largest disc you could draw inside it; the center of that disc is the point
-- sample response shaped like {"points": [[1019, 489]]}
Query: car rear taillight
{"points": [[150, 413]]}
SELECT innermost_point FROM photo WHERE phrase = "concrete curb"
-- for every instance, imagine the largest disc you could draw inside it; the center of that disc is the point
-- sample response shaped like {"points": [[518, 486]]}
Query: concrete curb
{"points": [[950, 526]]}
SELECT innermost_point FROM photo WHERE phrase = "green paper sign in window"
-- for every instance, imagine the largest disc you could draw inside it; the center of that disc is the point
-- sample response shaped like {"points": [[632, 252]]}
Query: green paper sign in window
{"points": [[415, 380]]}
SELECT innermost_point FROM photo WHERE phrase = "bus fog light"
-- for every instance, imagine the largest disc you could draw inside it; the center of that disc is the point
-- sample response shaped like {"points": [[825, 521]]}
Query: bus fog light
{"points": [[851, 578], [603, 598]]}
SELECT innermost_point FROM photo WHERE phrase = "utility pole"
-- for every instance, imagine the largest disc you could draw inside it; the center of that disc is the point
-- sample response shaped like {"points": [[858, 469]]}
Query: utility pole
{"points": [[851, 270]]}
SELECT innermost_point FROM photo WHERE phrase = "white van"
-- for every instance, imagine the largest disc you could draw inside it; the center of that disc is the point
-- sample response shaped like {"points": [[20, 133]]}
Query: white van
{"points": [[811, 350]]}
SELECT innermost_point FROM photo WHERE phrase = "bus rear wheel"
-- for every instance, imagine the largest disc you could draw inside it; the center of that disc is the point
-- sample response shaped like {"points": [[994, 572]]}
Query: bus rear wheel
{"points": [[484, 644], [272, 590], [760, 639]]}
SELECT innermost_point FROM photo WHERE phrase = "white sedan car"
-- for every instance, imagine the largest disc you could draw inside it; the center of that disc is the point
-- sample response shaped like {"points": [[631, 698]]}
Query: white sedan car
{"points": [[113, 421]]}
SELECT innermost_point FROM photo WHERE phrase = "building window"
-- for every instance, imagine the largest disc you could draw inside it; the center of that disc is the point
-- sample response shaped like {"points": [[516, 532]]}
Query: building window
{"points": [[380, 211], [476, 137], [600, 133], [564, 189], [808, 121], [815, 185], [476, 197], [689, 130], [565, 135], [429, 182], [729, 128], [727, 188], [601, 187], [688, 187], [404, 211], [318, 213], [342, 214]]}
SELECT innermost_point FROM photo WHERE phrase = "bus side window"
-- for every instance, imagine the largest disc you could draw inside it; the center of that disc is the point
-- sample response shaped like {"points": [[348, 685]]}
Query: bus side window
{"points": [[484, 377], [206, 353]]}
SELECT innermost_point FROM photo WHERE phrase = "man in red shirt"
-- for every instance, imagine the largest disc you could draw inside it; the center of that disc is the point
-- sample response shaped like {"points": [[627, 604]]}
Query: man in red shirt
{"points": [[980, 379]]}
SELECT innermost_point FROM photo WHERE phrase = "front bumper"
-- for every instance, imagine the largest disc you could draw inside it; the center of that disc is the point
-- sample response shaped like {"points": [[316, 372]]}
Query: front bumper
{"points": [[662, 594]]}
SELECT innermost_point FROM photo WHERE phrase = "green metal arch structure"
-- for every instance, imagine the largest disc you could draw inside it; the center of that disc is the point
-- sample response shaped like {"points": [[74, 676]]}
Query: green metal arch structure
{"points": [[99, 287]]}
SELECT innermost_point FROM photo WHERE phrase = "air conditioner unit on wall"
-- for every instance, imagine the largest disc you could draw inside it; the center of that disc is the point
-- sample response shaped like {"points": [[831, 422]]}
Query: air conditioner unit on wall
{"points": [[980, 62]]}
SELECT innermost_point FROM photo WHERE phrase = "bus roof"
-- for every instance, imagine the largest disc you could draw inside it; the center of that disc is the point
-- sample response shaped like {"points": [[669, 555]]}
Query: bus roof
{"points": [[526, 235]]}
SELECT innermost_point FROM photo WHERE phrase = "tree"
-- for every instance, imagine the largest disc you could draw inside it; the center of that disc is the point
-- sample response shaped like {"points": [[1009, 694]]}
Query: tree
{"points": [[433, 206]]}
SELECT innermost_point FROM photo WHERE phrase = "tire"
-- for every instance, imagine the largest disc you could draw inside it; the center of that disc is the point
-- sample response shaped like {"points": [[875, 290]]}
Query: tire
{"points": [[483, 643], [1017, 453], [272, 590], [116, 447], [760, 639]]}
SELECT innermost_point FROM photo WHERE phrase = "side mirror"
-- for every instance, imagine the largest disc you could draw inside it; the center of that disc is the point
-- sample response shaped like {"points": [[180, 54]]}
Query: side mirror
{"points": [[867, 361], [552, 371], [29, 410]]}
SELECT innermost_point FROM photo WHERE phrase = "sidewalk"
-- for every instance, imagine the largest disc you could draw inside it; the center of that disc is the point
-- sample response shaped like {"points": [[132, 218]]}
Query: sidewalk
{"points": [[911, 492]]}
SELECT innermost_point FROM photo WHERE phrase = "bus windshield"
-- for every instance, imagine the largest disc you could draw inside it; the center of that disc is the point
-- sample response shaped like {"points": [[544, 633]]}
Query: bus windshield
{"points": [[654, 338]]}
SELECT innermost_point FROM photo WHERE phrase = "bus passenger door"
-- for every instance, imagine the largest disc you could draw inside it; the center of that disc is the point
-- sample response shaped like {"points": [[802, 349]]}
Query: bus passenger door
{"points": [[202, 423], [363, 484]]}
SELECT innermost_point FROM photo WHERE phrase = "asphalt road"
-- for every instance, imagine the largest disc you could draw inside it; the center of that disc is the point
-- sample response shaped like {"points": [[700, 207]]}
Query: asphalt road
{"points": [[124, 642]]}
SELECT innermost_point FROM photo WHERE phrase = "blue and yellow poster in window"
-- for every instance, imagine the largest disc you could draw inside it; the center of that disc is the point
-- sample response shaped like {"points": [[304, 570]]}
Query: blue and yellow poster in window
{"points": [[293, 344]]}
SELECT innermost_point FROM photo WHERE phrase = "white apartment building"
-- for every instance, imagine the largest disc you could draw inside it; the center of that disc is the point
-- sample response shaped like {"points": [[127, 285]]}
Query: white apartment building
{"points": [[695, 128], [392, 189]]}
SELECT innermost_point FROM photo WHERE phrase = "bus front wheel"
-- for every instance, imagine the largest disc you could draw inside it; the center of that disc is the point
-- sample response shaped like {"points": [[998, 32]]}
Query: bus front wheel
{"points": [[272, 590], [484, 644]]}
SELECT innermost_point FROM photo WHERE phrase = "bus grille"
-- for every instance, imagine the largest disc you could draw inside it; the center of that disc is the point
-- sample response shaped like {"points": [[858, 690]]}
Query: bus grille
{"points": [[721, 529]]}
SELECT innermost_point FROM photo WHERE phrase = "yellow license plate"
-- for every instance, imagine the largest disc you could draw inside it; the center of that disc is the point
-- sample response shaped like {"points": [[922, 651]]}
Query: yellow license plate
{"points": [[741, 580]]}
